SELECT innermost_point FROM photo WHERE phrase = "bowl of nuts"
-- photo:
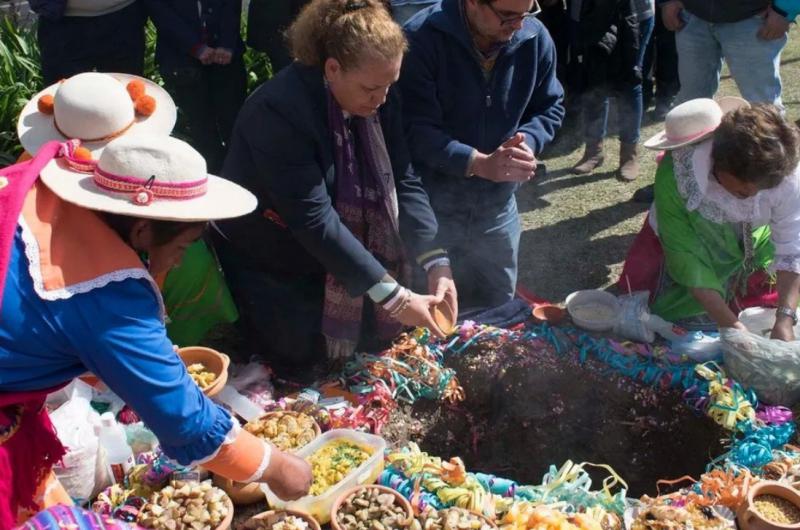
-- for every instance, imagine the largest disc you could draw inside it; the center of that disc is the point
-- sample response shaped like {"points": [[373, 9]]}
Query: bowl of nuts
{"points": [[280, 520], [287, 430], [208, 368], [240, 493], [455, 519], [371, 508], [187, 505]]}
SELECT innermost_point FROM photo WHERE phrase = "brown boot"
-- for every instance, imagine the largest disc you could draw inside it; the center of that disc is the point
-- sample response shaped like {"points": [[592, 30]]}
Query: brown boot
{"points": [[628, 161], [592, 159]]}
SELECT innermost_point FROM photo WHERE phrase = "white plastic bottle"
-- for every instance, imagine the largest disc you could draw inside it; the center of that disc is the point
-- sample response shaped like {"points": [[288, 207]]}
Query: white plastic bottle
{"points": [[119, 455]]}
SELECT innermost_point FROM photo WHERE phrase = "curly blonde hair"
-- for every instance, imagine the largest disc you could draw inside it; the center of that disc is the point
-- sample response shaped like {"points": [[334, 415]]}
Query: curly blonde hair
{"points": [[345, 30]]}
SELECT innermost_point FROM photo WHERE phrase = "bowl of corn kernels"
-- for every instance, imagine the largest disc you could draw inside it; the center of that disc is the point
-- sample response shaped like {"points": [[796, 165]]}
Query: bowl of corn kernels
{"points": [[208, 368], [770, 505]]}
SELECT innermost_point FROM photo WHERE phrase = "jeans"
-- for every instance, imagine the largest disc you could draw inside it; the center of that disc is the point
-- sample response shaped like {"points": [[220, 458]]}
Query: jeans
{"points": [[660, 68], [106, 43], [483, 245], [754, 63], [630, 110], [402, 13]]}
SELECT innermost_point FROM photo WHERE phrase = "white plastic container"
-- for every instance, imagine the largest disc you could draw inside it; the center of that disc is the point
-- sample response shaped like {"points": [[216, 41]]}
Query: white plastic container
{"points": [[759, 320], [119, 455], [319, 506], [594, 309]]}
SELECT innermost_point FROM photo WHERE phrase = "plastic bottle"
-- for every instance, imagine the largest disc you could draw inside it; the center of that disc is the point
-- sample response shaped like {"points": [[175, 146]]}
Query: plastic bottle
{"points": [[119, 455]]}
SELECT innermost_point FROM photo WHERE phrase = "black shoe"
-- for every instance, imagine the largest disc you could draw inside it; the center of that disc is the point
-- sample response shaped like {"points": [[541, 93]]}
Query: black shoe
{"points": [[645, 195]]}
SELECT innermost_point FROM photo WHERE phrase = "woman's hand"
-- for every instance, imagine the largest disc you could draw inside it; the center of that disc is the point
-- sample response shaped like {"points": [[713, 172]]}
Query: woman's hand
{"points": [[417, 312], [442, 286], [783, 329], [288, 476]]}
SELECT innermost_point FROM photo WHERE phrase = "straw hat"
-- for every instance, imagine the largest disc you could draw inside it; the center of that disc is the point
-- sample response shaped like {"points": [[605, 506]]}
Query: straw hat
{"points": [[695, 120], [149, 176], [94, 108]]}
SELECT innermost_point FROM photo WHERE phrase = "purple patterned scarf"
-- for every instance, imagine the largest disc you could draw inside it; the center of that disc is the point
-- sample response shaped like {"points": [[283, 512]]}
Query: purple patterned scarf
{"points": [[366, 200]]}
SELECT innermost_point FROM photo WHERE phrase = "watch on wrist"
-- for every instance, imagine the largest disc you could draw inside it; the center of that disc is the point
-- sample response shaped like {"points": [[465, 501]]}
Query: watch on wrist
{"points": [[787, 312]]}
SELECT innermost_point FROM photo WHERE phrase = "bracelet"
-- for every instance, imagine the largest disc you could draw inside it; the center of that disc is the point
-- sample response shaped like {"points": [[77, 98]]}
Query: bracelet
{"points": [[787, 312], [438, 262], [396, 295], [402, 306]]}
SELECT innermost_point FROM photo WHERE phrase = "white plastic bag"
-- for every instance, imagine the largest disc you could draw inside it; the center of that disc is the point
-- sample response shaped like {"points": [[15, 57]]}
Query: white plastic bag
{"points": [[74, 422], [769, 367]]}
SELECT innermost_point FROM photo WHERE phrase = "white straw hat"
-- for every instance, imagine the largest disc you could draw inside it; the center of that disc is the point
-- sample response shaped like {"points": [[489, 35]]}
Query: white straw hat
{"points": [[693, 121], [94, 108], [149, 176]]}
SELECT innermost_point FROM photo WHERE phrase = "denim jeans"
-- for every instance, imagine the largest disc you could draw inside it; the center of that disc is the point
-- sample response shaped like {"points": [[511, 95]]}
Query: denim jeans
{"points": [[754, 63], [483, 244], [629, 113], [403, 12]]}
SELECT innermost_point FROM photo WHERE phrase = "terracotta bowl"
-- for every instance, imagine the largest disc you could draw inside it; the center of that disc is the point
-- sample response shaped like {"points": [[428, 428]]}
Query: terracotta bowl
{"points": [[273, 516], [240, 493], [444, 317], [214, 362], [480, 516], [549, 313], [226, 523], [749, 518], [402, 501]]}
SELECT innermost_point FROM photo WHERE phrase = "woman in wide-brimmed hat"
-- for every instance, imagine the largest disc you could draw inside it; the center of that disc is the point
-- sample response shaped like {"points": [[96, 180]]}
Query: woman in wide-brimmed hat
{"points": [[726, 214], [96, 108], [80, 241]]}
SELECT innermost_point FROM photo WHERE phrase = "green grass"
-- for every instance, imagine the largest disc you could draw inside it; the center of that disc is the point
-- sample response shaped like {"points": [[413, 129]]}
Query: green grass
{"points": [[577, 229]]}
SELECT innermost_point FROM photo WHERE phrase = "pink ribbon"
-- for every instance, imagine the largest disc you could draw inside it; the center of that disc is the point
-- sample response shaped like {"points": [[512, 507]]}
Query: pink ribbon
{"points": [[774, 415]]}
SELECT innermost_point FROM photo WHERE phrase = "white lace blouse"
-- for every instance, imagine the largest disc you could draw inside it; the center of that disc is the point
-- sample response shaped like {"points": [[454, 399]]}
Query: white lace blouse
{"points": [[777, 207]]}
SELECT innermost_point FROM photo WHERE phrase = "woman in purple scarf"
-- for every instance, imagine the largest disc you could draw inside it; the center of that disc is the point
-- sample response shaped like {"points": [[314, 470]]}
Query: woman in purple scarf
{"points": [[322, 267]]}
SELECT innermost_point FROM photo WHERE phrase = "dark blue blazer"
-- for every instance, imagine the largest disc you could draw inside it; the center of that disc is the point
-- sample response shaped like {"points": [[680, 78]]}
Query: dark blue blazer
{"points": [[281, 150]]}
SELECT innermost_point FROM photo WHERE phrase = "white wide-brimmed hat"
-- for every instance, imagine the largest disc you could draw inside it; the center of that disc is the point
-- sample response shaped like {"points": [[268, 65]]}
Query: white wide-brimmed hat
{"points": [[149, 176], [94, 108], [693, 121]]}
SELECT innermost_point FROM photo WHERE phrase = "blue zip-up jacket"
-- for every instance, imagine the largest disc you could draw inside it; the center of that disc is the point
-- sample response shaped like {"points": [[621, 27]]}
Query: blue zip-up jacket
{"points": [[450, 108]]}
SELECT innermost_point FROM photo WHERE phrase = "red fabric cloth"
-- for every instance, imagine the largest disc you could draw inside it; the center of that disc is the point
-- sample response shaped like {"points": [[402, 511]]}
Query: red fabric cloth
{"points": [[29, 447], [21, 177], [644, 266]]}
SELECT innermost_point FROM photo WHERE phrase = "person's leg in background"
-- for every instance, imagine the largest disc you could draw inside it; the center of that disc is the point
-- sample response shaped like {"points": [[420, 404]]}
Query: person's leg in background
{"points": [[266, 22], [631, 110], [555, 19], [122, 36], [228, 89], [754, 62], [65, 47], [649, 65], [190, 88], [699, 59], [667, 84], [595, 105]]}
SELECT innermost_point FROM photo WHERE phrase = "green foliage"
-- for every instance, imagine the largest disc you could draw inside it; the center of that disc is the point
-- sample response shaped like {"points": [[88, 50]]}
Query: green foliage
{"points": [[20, 79]]}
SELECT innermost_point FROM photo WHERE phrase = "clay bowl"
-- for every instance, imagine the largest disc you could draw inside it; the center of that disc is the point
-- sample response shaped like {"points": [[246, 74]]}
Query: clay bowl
{"points": [[750, 519], [214, 361], [444, 317], [402, 501], [480, 516], [267, 415], [240, 493], [273, 516], [549, 313]]}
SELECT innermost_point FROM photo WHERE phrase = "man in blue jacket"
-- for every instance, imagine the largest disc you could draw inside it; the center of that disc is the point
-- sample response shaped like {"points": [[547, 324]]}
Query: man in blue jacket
{"points": [[481, 100]]}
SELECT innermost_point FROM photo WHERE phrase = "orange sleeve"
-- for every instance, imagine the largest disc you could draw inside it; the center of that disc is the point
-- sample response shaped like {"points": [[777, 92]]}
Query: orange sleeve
{"points": [[241, 459]]}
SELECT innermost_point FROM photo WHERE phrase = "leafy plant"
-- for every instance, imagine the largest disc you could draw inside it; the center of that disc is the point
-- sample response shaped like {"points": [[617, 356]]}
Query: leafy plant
{"points": [[20, 79]]}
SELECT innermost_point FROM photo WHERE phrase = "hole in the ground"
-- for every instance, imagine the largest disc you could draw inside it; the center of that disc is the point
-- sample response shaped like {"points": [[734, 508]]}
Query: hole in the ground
{"points": [[528, 410]]}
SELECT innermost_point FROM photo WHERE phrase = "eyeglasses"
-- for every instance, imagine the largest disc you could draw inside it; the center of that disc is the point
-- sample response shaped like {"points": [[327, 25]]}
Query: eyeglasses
{"points": [[506, 20]]}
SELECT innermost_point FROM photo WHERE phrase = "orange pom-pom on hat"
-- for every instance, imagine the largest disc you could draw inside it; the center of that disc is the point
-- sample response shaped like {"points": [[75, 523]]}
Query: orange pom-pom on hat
{"points": [[135, 89], [81, 153], [145, 105], [46, 104]]}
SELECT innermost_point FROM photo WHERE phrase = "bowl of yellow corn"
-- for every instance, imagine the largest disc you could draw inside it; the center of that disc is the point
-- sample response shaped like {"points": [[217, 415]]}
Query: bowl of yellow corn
{"points": [[340, 459]]}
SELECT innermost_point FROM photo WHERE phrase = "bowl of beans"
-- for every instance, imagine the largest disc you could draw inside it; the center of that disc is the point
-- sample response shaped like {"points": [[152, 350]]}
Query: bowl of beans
{"points": [[770, 506]]}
